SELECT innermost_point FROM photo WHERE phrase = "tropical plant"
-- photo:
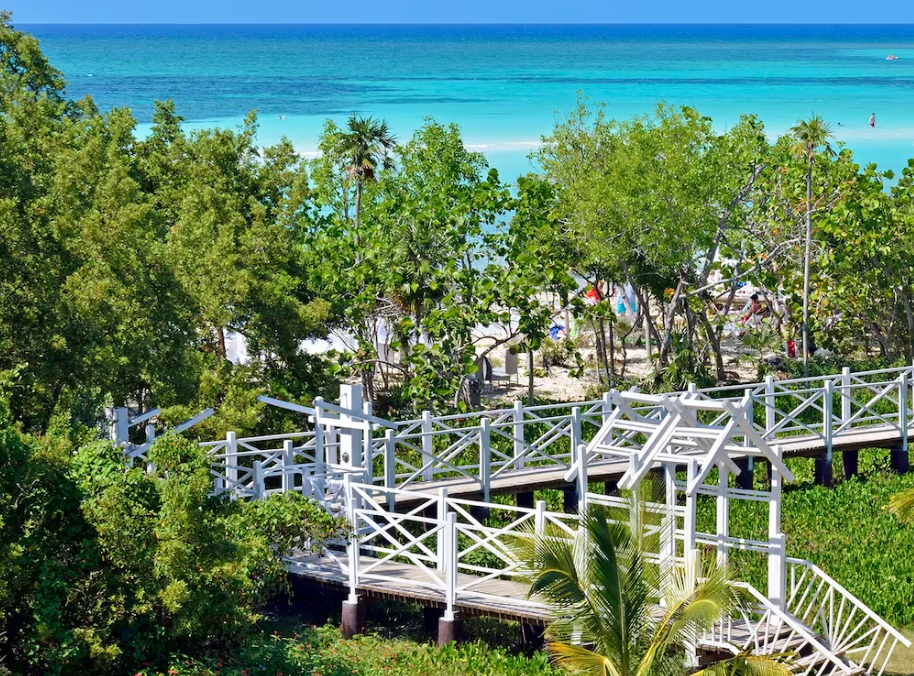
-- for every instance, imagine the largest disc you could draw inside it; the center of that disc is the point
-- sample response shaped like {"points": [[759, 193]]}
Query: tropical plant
{"points": [[367, 144], [601, 589], [810, 136]]}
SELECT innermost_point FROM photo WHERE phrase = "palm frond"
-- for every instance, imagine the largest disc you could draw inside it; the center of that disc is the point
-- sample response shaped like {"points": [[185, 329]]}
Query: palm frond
{"points": [[581, 660], [902, 505], [747, 664]]}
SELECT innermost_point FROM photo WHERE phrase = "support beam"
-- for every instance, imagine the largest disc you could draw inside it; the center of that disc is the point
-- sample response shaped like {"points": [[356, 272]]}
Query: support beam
{"points": [[430, 618], [353, 618], [570, 499], [481, 514], [898, 459], [533, 635], [524, 500], [449, 631], [744, 478], [850, 463], [823, 471]]}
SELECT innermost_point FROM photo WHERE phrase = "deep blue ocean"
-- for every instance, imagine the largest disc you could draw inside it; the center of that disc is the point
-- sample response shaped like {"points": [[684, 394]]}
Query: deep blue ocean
{"points": [[505, 85]]}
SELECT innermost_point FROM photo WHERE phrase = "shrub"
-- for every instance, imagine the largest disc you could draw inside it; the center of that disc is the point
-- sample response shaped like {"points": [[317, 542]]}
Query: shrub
{"points": [[102, 564]]}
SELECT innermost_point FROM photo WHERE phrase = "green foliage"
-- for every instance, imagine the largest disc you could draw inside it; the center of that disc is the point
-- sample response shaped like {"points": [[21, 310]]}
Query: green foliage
{"points": [[322, 652], [847, 531], [600, 588], [103, 564]]}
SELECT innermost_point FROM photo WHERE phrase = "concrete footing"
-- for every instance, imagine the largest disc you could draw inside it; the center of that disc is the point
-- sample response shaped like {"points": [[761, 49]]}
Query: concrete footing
{"points": [[744, 478], [449, 631], [823, 471], [898, 460], [524, 500], [850, 463], [353, 618]]}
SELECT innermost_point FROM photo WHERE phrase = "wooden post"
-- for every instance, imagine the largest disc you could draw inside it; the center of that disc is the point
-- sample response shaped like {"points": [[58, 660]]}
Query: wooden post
{"points": [[428, 447], [777, 564], [607, 406], [744, 478], [823, 465], [518, 430], [390, 467], [723, 515], [690, 526], [288, 462], [524, 499], [351, 439], [485, 458], [442, 517], [845, 394], [770, 417], [668, 531], [259, 487], [231, 462]]}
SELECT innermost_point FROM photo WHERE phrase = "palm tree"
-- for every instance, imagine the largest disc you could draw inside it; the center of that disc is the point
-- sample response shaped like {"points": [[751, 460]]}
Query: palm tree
{"points": [[810, 136], [602, 591], [366, 145]]}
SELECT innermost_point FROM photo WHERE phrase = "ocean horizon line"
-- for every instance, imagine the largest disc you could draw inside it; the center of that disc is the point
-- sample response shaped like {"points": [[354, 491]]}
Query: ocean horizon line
{"points": [[716, 24]]}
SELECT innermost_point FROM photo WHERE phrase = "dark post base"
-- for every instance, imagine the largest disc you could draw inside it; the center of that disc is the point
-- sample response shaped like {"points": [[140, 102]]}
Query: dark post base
{"points": [[353, 618], [449, 631], [898, 460], [744, 478], [570, 500], [850, 460], [430, 512], [532, 635], [430, 617], [823, 471], [524, 500], [610, 487], [479, 513]]}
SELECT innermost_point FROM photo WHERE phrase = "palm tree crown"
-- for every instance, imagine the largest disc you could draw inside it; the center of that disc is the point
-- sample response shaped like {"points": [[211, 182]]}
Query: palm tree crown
{"points": [[812, 135], [367, 144]]}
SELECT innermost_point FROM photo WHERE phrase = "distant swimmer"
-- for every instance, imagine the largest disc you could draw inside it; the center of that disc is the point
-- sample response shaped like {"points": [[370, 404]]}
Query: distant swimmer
{"points": [[873, 120]]}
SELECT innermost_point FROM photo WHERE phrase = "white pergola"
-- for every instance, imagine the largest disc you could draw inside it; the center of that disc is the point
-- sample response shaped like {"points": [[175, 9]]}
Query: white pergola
{"points": [[666, 432]]}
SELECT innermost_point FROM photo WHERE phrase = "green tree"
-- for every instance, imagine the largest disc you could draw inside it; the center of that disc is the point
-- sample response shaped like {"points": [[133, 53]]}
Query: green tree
{"points": [[366, 144], [810, 136]]}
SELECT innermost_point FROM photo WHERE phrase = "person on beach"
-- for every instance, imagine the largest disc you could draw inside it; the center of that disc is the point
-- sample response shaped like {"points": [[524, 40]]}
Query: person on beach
{"points": [[873, 120]]}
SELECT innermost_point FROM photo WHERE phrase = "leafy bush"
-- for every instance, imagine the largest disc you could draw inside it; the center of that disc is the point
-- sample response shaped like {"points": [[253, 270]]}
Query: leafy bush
{"points": [[322, 652], [102, 564]]}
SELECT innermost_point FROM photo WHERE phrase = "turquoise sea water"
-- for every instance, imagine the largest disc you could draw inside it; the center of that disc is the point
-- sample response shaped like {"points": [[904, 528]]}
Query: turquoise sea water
{"points": [[504, 85]]}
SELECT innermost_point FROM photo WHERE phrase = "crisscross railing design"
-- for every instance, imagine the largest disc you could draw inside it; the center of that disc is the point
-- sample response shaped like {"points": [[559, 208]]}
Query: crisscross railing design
{"points": [[848, 626]]}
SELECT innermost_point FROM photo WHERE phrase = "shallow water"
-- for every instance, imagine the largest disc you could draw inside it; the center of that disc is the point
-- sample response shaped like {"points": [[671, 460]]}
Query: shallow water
{"points": [[504, 85]]}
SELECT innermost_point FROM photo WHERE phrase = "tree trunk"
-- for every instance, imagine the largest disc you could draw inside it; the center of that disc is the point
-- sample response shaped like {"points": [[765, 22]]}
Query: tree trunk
{"points": [[714, 339], [220, 337], [910, 316], [358, 210], [806, 264], [530, 396]]}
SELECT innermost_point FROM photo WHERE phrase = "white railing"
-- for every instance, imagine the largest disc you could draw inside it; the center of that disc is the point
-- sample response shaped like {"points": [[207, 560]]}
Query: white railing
{"points": [[847, 625], [764, 629]]}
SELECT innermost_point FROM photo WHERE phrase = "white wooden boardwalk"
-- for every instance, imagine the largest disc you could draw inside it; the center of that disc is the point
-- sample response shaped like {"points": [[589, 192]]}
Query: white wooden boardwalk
{"points": [[414, 491]]}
